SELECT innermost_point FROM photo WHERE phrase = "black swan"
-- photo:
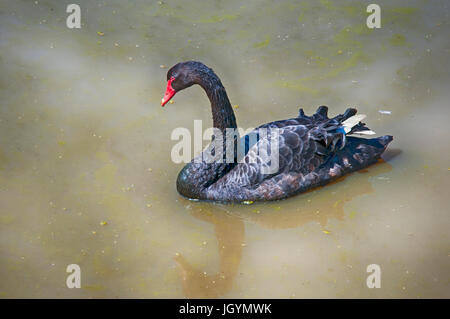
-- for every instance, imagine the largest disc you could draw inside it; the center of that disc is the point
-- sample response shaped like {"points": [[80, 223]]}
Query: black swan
{"points": [[312, 150]]}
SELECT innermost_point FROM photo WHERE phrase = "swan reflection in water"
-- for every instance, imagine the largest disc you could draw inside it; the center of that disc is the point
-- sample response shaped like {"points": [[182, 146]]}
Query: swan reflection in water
{"points": [[318, 205]]}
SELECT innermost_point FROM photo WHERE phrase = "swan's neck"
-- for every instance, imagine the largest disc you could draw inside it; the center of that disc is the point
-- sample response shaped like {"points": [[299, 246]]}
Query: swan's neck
{"points": [[195, 178], [222, 112]]}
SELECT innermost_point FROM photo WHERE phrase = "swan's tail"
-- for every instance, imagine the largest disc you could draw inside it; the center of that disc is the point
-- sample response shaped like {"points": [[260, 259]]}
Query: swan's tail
{"points": [[353, 125], [332, 133], [347, 123]]}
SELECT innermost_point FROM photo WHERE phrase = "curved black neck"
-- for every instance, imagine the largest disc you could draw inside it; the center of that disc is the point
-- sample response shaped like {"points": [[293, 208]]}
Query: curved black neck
{"points": [[222, 112], [194, 178]]}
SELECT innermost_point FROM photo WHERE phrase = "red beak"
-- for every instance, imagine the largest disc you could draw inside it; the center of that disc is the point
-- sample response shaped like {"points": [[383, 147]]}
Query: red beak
{"points": [[170, 92]]}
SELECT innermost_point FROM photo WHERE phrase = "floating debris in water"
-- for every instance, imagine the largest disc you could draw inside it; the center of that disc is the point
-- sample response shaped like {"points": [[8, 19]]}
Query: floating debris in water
{"points": [[236, 106], [149, 205], [162, 66], [326, 231], [384, 112], [128, 188], [171, 102], [247, 202], [116, 44], [103, 223], [100, 33]]}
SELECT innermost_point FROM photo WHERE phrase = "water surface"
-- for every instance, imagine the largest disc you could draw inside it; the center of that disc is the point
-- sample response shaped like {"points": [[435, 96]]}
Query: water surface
{"points": [[85, 169]]}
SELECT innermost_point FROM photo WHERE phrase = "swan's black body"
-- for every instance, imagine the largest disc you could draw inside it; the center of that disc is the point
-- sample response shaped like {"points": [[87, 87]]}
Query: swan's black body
{"points": [[313, 150]]}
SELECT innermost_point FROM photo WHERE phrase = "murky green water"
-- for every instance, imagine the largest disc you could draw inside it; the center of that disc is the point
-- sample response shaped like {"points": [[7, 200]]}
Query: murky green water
{"points": [[85, 169]]}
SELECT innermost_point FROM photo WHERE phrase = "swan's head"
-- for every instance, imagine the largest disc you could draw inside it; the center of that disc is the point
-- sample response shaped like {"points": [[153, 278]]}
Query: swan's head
{"points": [[183, 75]]}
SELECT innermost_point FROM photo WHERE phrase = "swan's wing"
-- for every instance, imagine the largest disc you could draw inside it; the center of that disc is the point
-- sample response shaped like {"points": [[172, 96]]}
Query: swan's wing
{"points": [[320, 116], [281, 150], [303, 150]]}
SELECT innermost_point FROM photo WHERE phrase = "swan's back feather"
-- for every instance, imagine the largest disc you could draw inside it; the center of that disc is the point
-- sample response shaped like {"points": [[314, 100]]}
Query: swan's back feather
{"points": [[312, 150]]}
